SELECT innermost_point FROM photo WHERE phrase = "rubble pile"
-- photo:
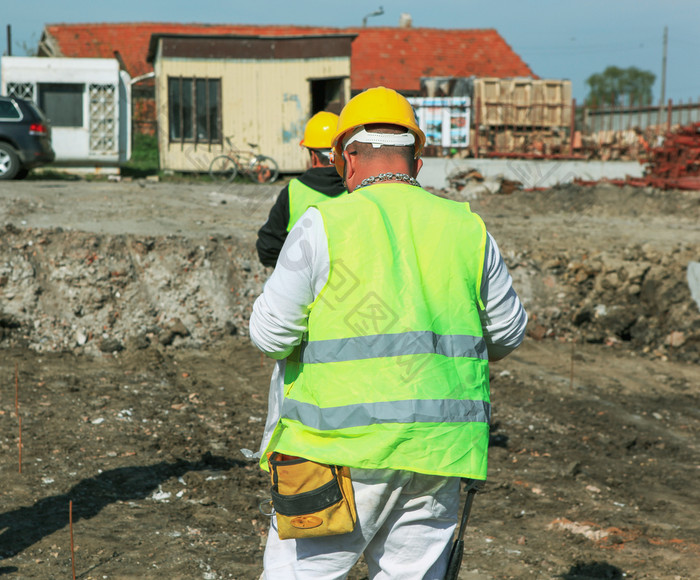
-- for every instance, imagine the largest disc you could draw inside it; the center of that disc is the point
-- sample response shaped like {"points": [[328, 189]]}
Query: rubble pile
{"points": [[640, 300], [65, 290], [98, 293]]}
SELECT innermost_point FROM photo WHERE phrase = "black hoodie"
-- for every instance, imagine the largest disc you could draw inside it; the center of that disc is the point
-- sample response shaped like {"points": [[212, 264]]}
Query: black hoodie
{"points": [[273, 233]]}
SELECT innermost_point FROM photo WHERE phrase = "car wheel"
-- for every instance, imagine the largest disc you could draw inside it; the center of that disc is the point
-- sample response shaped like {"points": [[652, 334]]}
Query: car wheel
{"points": [[22, 173], [9, 162]]}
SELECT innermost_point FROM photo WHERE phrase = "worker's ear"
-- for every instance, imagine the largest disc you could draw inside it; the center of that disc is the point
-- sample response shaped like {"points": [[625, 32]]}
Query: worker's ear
{"points": [[350, 165], [417, 165]]}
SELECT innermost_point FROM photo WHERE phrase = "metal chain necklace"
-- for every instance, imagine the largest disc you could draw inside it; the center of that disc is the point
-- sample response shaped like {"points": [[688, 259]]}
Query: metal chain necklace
{"points": [[388, 177]]}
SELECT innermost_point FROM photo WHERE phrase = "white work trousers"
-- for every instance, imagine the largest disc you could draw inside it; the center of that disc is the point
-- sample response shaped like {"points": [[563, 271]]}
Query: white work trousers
{"points": [[405, 525]]}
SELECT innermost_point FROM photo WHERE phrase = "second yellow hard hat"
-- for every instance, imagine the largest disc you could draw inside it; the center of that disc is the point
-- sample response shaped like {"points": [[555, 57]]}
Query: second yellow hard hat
{"points": [[319, 131]]}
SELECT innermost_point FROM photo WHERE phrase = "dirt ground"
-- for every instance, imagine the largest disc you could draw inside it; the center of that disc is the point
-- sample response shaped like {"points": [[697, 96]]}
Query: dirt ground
{"points": [[127, 373]]}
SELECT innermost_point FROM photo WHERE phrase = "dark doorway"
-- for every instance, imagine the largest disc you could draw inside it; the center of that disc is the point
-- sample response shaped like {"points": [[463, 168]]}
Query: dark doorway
{"points": [[327, 95]]}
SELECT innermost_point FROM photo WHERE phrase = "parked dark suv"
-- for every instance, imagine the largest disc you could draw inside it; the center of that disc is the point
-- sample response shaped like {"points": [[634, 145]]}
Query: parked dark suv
{"points": [[25, 138]]}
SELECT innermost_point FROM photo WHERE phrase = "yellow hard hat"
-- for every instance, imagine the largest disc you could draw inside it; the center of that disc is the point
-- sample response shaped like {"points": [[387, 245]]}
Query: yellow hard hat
{"points": [[376, 105], [319, 131]]}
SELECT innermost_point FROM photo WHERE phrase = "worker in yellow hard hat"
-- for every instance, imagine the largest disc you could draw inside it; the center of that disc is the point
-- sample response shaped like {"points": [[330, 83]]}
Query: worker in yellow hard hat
{"points": [[383, 313], [320, 182]]}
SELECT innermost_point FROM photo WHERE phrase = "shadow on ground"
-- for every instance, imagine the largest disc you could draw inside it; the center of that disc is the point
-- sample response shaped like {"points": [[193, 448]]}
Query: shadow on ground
{"points": [[593, 571], [25, 526]]}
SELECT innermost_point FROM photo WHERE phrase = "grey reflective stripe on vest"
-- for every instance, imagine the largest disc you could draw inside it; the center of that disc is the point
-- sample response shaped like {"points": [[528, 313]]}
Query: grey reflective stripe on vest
{"points": [[364, 414], [384, 345]]}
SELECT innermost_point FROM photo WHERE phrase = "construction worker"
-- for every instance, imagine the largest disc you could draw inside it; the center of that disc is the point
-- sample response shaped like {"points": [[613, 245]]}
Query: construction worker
{"points": [[383, 313], [320, 182]]}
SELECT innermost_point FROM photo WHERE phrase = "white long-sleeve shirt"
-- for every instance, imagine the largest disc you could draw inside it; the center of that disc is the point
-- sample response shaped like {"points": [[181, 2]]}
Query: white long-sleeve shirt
{"points": [[280, 313]]}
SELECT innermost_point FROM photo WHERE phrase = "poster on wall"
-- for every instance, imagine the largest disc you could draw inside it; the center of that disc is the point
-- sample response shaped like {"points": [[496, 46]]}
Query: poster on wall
{"points": [[444, 120]]}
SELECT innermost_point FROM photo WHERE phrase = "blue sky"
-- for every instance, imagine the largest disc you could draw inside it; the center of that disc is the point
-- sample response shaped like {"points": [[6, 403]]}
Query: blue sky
{"points": [[560, 39]]}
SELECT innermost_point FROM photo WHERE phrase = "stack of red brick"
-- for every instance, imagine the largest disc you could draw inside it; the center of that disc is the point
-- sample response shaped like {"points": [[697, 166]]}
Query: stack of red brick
{"points": [[676, 164]]}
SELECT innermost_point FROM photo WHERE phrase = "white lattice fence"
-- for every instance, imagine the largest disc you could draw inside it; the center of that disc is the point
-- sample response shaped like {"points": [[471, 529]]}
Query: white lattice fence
{"points": [[21, 90], [103, 120]]}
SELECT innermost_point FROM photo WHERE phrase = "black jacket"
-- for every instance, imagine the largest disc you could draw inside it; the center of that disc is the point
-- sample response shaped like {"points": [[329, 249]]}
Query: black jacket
{"points": [[273, 233]]}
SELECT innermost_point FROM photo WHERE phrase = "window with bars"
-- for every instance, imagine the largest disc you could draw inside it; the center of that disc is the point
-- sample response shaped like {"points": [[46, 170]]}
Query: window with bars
{"points": [[194, 106]]}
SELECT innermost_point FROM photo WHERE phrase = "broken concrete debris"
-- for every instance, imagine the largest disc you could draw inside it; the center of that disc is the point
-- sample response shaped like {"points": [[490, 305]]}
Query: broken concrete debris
{"points": [[104, 293], [641, 301], [101, 294]]}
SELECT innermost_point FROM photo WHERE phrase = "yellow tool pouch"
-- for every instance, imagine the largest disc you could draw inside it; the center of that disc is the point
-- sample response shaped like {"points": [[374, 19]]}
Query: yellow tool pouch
{"points": [[311, 499]]}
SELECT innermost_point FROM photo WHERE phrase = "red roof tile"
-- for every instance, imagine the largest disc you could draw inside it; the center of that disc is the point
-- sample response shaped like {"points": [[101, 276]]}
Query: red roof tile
{"points": [[394, 57], [399, 57]]}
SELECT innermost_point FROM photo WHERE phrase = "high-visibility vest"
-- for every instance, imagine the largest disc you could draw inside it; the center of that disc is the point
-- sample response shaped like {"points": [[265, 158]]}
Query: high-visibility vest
{"points": [[393, 372], [301, 198]]}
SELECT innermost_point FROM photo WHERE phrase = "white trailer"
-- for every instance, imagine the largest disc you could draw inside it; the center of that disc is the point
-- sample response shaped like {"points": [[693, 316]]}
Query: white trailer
{"points": [[87, 100]]}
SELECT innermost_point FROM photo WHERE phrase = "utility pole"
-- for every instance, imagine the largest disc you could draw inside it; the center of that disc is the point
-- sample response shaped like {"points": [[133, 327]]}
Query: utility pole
{"points": [[663, 68], [9, 40]]}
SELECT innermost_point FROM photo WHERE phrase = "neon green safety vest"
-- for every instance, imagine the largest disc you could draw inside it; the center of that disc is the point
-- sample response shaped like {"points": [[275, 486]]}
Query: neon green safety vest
{"points": [[393, 372], [301, 198]]}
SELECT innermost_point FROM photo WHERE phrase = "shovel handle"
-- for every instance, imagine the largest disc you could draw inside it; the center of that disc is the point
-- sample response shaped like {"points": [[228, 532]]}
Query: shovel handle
{"points": [[455, 561]]}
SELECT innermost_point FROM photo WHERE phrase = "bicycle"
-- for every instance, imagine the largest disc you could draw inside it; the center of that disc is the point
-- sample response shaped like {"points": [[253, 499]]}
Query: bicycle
{"points": [[254, 166]]}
